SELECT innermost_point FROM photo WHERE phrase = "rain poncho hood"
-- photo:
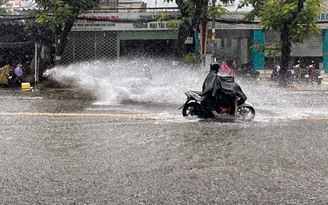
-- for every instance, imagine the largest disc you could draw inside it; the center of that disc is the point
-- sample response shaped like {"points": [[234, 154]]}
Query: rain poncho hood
{"points": [[226, 69], [19, 71], [4, 73], [211, 83]]}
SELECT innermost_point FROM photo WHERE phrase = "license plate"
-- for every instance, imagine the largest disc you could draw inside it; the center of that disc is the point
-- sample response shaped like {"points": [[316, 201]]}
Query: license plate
{"points": [[320, 77]]}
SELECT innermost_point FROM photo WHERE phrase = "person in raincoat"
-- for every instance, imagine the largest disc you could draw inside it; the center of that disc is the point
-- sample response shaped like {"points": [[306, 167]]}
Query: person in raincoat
{"points": [[4, 74], [210, 86], [212, 90], [18, 73], [225, 69]]}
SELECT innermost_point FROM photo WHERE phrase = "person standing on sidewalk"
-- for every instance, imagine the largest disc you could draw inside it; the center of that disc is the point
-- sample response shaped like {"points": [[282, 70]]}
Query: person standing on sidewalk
{"points": [[18, 73]]}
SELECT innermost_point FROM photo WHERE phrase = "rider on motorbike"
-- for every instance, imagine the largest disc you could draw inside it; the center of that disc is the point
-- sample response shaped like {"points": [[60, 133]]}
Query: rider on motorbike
{"points": [[210, 86], [212, 91]]}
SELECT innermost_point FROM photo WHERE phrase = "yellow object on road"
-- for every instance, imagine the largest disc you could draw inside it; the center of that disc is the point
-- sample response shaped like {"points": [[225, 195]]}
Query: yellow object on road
{"points": [[26, 86]]}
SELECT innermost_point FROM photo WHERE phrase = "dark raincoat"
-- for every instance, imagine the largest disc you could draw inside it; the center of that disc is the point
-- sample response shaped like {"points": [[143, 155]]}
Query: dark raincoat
{"points": [[240, 94], [215, 91], [210, 86]]}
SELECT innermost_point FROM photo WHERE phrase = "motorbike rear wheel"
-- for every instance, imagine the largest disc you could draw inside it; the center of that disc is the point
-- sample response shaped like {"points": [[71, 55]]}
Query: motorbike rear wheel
{"points": [[191, 109], [245, 114]]}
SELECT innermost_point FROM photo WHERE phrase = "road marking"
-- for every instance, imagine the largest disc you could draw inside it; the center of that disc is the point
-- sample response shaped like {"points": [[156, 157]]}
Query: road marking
{"points": [[142, 116], [299, 118]]}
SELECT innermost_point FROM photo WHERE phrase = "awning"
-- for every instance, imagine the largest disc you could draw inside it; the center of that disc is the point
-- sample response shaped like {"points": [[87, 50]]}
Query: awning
{"points": [[16, 44]]}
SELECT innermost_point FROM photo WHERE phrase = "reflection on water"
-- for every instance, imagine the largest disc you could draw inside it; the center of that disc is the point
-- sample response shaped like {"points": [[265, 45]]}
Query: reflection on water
{"points": [[163, 81]]}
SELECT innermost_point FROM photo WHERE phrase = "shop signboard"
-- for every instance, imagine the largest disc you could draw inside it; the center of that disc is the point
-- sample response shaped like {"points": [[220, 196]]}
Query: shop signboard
{"points": [[115, 22]]}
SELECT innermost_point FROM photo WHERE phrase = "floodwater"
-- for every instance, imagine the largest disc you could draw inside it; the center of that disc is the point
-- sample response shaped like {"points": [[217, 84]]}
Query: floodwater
{"points": [[117, 137], [161, 83]]}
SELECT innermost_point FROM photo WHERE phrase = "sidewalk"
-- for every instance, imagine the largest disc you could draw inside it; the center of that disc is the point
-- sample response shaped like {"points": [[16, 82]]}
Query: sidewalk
{"points": [[266, 76]]}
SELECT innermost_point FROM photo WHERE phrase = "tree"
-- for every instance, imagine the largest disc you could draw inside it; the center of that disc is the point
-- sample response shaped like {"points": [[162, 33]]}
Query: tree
{"points": [[2, 6], [194, 13], [57, 18], [295, 20]]}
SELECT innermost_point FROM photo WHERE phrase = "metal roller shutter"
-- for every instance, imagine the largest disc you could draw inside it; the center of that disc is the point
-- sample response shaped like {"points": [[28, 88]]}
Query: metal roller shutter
{"points": [[90, 45], [312, 48]]}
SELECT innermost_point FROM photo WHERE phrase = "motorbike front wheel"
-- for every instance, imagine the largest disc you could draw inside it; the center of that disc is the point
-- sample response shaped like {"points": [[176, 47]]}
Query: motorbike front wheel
{"points": [[245, 114], [191, 109]]}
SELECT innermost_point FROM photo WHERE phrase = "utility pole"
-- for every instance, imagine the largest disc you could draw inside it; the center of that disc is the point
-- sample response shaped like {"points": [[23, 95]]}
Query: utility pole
{"points": [[213, 32]]}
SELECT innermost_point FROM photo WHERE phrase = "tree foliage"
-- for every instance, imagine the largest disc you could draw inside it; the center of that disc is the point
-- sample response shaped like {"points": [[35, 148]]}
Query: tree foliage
{"points": [[295, 20], [57, 17], [2, 6], [300, 15], [194, 13]]}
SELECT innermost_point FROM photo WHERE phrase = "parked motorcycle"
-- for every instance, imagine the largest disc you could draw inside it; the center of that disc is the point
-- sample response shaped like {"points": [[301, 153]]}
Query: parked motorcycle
{"points": [[275, 75], [301, 73], [247, 71], [314, 74], [308, 74], [228, 108]]}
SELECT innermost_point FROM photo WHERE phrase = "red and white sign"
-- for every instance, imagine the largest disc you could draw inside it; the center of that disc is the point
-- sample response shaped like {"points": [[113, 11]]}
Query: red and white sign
{"points": [[14, 3]]}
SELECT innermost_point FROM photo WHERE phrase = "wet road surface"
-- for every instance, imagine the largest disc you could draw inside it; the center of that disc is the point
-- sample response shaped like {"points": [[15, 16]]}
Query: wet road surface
{"points": [[58, 147]]}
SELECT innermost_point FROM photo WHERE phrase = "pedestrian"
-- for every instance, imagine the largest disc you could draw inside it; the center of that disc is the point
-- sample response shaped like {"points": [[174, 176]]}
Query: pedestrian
{"points": [[19, 73]]}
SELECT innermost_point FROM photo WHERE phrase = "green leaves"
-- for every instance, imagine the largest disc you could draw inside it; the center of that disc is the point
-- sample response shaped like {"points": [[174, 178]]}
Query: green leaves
{"points": [[3, 3], [217, 11], [58, 12], [289, 8], [300, 17], [55, 18]]}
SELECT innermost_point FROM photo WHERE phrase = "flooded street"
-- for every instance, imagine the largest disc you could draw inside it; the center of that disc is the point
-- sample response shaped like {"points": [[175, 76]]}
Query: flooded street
{"points": [[117, 137]]}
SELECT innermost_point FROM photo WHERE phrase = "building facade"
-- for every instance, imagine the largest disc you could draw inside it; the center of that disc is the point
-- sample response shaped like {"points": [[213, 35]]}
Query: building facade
{"points": [[108, 35], [113, 32]]}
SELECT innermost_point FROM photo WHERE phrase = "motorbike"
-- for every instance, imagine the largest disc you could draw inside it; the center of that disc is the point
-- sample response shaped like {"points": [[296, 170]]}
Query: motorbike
{"points": [[247, 71], [314, 75], [308, 74], [301, 73], [290, 76], [192, 107]]}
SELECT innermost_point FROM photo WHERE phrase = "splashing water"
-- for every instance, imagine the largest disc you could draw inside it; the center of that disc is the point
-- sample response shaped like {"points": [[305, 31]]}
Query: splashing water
{"points": [[163, 81], [125, 80]]}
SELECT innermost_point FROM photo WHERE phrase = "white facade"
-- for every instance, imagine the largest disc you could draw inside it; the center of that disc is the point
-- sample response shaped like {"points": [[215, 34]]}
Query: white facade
{"points": [[159, 3], [230, 7], [21, 3]]}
